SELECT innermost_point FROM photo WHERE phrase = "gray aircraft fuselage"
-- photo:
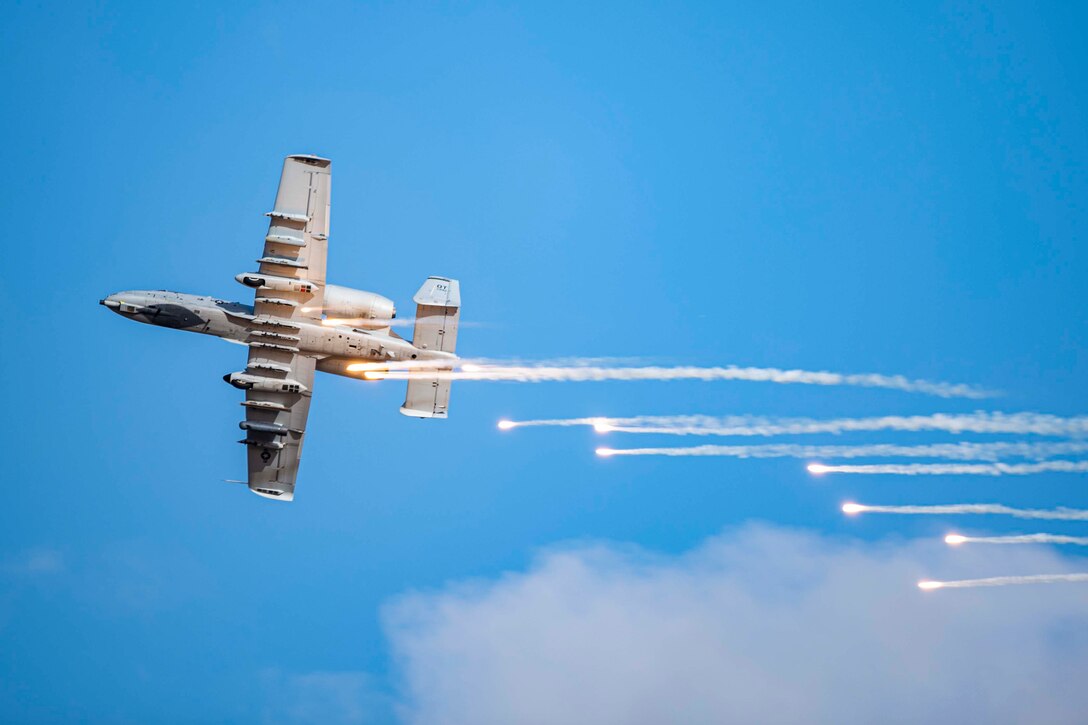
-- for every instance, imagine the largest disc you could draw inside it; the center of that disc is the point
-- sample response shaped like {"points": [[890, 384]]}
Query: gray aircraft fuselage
{"points": [[335, 347]]}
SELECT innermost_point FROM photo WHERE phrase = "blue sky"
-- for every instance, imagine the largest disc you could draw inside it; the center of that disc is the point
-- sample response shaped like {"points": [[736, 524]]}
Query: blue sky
{"points": [[894, 190]]}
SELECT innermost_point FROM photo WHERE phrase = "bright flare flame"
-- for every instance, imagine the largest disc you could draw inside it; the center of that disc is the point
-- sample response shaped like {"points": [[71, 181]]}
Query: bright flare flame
{"points": [[751, 425], [470, 368], [605, 452], [601, 425], [370, 371], [996, 468], [817, 469], [1060, 514], [955, 539], [506, 424], [1004, 581]]}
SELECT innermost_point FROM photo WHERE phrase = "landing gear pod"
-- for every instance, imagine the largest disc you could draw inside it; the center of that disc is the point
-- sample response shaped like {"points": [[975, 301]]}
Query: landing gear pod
{"points": [[257, 280]]}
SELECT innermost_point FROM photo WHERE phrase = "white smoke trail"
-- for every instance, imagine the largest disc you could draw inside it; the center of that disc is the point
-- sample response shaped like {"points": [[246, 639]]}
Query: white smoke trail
{"points": [[967, 469], [600, 423], [1058, 514], [453, 365], [365, 322], [949, 451], [957, 539], [1002, 581], [537, 373], [749, 425]]}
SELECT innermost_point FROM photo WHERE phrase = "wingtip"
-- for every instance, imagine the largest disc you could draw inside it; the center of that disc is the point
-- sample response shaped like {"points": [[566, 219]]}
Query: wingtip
{"points": [[416, 413], [310, 159], [278, 496]]}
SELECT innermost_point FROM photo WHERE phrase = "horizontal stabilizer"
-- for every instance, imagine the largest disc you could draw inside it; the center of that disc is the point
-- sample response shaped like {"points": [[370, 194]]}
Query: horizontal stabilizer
{"points": [[428, 397]]}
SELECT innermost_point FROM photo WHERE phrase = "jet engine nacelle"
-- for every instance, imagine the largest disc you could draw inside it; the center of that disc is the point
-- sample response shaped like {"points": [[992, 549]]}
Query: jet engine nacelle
{"points": [[358, 306]]}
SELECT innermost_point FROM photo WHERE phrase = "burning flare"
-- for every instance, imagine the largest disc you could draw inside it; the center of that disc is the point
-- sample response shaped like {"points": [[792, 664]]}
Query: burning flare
{"points": [[1003, 581], [956, 539], [545, 372], [949, 451], [965, 469], [1041, 424], [1058, 514], [601, 425]]}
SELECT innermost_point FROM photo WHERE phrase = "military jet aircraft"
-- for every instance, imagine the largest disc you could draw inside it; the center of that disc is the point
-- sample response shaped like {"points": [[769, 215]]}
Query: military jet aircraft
{"points": [[298, 323]]}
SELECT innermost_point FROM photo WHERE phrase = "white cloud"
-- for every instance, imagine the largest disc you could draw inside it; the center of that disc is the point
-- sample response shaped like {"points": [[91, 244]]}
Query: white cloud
{"points": [[327, 698], [758, 625]]}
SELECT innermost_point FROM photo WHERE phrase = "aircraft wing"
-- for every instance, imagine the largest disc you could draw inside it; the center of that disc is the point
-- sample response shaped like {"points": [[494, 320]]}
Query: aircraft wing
{"points": [[296, 246], [278, 380], [275, 423]]}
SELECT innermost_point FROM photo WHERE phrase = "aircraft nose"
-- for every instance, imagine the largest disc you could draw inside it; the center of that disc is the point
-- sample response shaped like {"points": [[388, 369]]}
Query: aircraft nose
{"points": [[111, 301]]}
